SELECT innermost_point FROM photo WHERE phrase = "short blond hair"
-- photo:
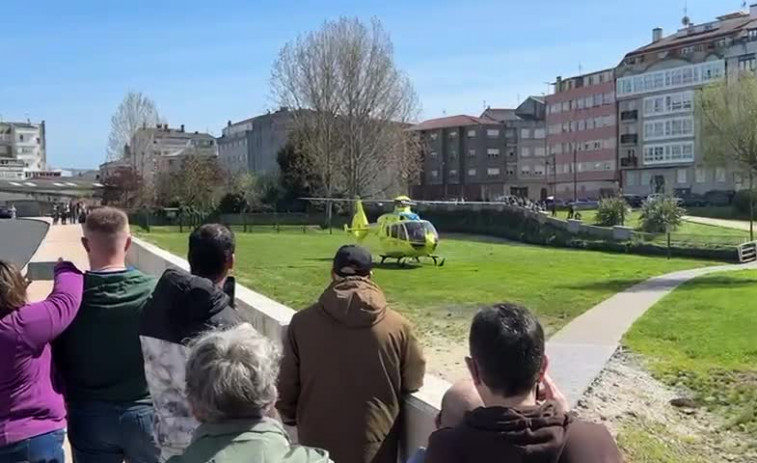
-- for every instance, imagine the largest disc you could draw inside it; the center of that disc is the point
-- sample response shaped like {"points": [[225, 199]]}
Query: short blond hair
{"points": [[12, 288], [107, 221]]}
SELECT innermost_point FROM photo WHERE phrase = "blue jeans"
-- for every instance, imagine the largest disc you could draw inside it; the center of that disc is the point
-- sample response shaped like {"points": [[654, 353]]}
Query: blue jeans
{"points": [[46, 448], [101, 432]]}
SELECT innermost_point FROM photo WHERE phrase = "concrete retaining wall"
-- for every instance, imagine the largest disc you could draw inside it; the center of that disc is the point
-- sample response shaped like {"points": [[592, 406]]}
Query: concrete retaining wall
{"points": [[272, 319]]}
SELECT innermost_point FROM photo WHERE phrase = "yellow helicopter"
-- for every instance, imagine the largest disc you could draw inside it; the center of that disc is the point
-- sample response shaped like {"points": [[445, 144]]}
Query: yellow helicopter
{"points": [[402, 233]]}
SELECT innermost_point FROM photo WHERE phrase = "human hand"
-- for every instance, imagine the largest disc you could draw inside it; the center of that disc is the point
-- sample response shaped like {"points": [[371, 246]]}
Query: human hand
{"points": [[548, 390]]}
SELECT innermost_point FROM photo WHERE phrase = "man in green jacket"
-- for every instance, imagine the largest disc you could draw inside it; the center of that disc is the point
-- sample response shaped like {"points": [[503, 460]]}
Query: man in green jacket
{"points": [[99, 356], [231, 387]]}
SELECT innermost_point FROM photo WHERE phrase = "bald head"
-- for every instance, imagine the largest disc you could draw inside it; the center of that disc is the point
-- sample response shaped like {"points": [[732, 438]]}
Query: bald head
{"points": [[459, 399]]}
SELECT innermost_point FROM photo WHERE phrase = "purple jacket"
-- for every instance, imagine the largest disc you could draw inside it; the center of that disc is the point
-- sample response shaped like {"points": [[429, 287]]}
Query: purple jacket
{"points": [[29, 406]]}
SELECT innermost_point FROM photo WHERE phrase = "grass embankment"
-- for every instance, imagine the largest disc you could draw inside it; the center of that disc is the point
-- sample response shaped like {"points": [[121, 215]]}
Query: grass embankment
{"points": [[703, 337], [558, 284], [687, 232]]}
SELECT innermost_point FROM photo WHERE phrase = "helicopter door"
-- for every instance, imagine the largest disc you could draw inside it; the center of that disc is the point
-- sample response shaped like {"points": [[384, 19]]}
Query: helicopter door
{"points": [[401, 231], [393, 231]]}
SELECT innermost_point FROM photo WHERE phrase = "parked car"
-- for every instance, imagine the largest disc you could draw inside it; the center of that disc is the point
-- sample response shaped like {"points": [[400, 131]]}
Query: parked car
{"points": [[719, 197], [5, 213], [584, 204], [656, 196], [694, 200], [634, 200]]}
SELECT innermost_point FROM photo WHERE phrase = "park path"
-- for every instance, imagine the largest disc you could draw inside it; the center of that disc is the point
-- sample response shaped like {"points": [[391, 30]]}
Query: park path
{"points": [[578, 352], [61, 241], [735, 224]]}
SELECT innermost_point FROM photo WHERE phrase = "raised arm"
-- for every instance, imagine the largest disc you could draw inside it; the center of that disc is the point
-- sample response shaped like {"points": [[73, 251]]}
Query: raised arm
{"points": [[41, 322]]}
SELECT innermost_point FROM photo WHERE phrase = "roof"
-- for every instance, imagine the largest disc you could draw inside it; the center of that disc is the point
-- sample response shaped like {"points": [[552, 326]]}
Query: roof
{"points": [[175, 133], [461, 120], [727, 25], [63, 186], [499, 114]]}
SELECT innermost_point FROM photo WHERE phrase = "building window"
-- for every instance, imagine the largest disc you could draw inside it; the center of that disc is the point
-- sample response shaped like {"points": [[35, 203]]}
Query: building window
{"points": [[434, 154], [752, 35], [539, 169], [511, 153], [471, 172], [747, 63], [525, 133], [452, 154], [667, 128], [682, 76], [433, 136], [687, 50], [720, 175], [472, 133], [632, 178], [471, 153], [701, 175], [510, 171], [20, 137], [681, 176], [539, 133], [434, 173], [539, 151], [492, 171], [669, 153], [525, 170], [492, 133], [492, 153], [453, 173], [453, 134], [525, 152]]}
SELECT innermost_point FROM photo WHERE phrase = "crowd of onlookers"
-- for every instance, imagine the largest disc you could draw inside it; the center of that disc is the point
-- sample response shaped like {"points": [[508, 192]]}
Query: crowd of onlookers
{"points": [[145, 371], [72, 212]]}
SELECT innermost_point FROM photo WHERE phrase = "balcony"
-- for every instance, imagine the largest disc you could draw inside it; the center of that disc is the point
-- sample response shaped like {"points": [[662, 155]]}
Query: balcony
{"points": [[629, 139], [629, 162], [627, 116]]}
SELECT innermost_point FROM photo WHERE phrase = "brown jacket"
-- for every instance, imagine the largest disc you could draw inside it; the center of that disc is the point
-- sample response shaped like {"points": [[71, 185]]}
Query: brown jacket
{"points": [[348, 360], [530, 435]]}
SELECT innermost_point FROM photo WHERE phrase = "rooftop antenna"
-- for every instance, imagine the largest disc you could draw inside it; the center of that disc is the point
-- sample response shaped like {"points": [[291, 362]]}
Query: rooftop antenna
{"points": [[580, 69], [686, 21]]}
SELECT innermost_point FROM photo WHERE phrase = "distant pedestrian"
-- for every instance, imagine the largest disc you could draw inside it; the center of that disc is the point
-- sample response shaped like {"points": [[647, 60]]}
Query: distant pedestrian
{"points": [[13, 211], [32, 415], [182, 306], [99, 356], [525, 417], [56, 215], [348, 361]]}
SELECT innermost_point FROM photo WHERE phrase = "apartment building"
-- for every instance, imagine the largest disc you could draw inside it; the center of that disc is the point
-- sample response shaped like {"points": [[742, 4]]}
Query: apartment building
{"points": [[158, 149], [582, 136], [22, 144], [252, 145], [502, 152], [659, 149]]}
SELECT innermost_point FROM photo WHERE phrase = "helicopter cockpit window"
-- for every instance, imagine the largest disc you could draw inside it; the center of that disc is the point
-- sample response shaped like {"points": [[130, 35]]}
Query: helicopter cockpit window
{"points": [[393, 231], [430, 228], [401, 232], [416, 231]]}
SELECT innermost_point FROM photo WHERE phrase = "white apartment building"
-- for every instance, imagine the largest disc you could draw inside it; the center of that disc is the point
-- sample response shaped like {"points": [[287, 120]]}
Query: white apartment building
{"points": [[22, 144], [162, 149]]}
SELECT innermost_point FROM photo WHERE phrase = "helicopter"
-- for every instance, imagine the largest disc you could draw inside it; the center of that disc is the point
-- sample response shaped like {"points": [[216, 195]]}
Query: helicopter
{"points": [[402, 233]]}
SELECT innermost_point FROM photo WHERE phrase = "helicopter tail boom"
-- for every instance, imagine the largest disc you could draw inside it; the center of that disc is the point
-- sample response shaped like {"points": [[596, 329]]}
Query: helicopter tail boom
{"points": [[360, 226]]}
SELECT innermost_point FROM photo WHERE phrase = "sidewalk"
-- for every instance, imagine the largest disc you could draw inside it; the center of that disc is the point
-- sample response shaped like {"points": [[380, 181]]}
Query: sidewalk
{"points": [[578, 352], [61, 241], [735, 224]]}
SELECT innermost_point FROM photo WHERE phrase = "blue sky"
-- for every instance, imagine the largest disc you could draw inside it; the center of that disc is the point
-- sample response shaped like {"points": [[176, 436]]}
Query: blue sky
{"points": [[71, 62]]}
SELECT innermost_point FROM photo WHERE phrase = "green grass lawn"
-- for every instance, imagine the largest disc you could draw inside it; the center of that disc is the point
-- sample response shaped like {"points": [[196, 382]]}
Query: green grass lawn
{"points": [[558, 284], [687, 232], [704, 336]]}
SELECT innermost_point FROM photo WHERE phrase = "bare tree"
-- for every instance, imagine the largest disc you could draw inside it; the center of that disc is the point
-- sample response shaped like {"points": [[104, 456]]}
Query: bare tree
{"points": [[135, 111], [727, 114], [351, 106], [195, 184]]}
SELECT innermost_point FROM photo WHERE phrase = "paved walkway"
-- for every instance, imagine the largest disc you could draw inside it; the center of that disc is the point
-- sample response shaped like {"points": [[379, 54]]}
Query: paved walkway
{"points": [[580, 350], [735, 224]]}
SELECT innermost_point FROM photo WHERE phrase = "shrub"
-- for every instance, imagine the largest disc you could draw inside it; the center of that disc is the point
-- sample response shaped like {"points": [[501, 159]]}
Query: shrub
{"points": [[612, 211], [661, 215], [741, 202]]}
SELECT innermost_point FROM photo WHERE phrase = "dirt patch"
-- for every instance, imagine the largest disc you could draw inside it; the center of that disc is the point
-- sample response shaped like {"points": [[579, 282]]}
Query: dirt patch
{"points": [[637, 410]]}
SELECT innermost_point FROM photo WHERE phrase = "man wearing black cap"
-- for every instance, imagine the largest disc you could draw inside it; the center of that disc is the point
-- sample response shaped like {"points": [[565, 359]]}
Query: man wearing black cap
{"points": [[348, 362]]}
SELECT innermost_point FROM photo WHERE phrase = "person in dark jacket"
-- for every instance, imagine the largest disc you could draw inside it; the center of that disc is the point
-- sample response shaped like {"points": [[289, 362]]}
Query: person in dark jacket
{"points": [[525, 418], [182, 306], [348, 362], [99, 358]]}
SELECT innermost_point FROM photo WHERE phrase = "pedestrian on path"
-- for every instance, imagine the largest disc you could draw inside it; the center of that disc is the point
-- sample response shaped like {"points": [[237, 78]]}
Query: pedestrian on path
{"points": [[348, 362], [525, 418], [99, 356], [182, 306], [32, 414]]}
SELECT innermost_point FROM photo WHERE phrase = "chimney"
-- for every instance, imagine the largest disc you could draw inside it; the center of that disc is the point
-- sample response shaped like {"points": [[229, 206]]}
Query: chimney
{"points": [[656, 34], [182, 128], [228, 124], [753, 11]]}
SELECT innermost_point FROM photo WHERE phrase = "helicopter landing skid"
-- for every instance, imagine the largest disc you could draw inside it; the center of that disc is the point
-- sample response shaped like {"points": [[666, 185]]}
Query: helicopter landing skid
{"points": [[437, 261]]}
